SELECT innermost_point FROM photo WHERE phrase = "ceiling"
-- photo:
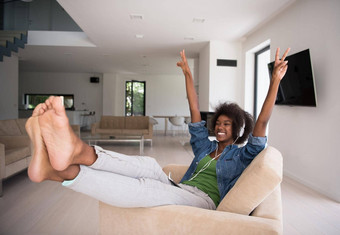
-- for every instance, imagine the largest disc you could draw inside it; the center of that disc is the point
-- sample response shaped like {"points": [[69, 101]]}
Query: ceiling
{"points": [[145, 36]]}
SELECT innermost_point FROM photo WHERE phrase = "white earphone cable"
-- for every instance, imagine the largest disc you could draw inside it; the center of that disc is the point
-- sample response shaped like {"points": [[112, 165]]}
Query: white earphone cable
{"points": [[206, 165]]}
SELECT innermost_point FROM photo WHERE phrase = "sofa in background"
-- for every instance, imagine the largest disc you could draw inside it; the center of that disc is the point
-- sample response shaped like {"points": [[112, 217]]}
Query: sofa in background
{"points": [[15, 148], [124, 125], [252, 206]]}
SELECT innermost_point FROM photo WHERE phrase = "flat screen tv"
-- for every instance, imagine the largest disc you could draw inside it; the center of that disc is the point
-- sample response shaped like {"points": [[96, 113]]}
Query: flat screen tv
{"points": [[297, 88]]}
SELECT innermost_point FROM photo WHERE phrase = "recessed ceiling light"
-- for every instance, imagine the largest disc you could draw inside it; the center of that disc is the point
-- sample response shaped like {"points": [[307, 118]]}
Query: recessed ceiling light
{"points": [[136, 17], [139, 36], [198, 20]]}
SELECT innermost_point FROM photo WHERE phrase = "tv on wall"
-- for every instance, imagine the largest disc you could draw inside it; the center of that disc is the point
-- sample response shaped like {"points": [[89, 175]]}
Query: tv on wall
{"points": [[297, 87]]}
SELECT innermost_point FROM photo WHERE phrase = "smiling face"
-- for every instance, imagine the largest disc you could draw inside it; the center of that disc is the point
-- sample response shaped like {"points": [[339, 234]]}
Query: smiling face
{"points": [[224, 130]]}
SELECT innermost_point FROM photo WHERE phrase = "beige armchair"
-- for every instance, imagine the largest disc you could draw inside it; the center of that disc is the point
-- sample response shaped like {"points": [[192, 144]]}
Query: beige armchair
{"points": [[252, 206]]}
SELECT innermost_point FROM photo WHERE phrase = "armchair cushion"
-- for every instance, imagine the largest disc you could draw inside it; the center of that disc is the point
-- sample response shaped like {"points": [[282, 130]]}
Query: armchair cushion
{"points": [[257, 181], [177, 171], [16, 154], [137, 122], [107, 122]]}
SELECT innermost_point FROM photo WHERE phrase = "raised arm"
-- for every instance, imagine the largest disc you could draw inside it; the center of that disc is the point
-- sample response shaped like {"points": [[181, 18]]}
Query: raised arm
{"points": [[280, 68], [190, 89]]}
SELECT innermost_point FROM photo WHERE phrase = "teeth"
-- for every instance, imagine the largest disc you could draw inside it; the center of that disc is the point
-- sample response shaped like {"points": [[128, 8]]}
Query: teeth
{"points": [[220, 133]]}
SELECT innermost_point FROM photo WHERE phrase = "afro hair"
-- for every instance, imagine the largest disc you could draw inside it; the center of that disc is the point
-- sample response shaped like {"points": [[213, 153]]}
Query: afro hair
{"points": [[239, 117]]}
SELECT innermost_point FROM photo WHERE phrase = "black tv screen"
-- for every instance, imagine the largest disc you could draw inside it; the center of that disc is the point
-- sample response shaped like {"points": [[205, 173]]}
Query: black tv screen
{"points": [[297, 86]]}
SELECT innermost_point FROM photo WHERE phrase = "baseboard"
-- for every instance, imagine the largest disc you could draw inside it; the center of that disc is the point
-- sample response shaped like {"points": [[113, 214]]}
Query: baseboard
{"points": [[311, 186]]}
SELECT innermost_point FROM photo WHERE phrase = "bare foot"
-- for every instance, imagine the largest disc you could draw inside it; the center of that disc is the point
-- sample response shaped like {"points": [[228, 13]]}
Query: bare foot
{"points": [[39, 168], [39, 109], [63, 145]]}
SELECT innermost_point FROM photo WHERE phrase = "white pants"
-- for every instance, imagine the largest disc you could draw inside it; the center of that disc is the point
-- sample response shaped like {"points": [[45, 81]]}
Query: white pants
{"points": [[133, 181]]}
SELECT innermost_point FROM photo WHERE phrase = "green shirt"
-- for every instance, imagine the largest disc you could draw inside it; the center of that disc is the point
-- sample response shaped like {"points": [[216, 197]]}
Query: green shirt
{"points": [[206, 180]]}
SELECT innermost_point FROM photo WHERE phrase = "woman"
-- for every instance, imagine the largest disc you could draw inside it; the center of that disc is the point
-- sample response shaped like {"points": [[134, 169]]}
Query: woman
{"points": [[218, 164], [127, 181]]}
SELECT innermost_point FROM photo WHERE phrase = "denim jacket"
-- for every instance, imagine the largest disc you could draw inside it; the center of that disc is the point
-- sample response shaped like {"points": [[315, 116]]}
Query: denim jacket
{"points": [[232, 161]]}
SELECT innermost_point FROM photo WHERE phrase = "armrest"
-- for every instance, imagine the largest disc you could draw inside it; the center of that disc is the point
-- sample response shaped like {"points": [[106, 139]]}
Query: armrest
{"points": [[175, 219], [2, 161], [271, 207], [94, 126], [150, 129]]}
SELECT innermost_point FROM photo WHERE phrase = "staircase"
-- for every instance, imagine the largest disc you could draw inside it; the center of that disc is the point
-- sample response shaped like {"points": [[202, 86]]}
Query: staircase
{"points": [[11, 41]]}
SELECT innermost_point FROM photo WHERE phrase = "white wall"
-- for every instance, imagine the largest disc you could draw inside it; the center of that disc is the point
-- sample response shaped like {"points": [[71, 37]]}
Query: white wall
{"points": [[204, 74], [219, 83], [308, 137], [165, 95], [109, 94], [91, 94], [9, 80], [225, 82]]}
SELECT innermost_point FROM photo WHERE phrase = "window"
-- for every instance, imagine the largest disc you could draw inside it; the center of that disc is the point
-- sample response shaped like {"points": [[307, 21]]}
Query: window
{"points": [[262, 80], [32, 100], [134, 98]]}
